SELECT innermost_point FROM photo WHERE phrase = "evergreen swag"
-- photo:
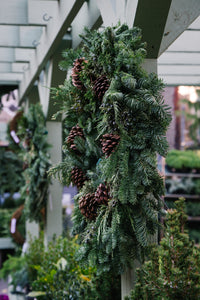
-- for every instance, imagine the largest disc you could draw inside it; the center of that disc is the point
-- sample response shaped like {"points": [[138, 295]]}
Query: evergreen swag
{"points": [[34, 153], [131, 108]]}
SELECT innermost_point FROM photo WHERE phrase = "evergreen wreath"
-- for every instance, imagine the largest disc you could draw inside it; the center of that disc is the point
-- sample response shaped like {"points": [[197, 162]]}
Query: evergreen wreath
{"points": [[123, 121], [16, 234], [34, 153]]}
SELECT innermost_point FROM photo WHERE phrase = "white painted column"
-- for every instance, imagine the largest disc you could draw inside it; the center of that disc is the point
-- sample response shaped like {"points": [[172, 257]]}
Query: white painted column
{"points": [[128, 278], [32, 231], [54, 205]]}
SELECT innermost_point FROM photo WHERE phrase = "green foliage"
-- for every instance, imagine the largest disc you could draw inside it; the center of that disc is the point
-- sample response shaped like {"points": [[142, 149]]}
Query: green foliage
{"points": [[172, 271], [182, 185], [17, 267], [193, 119], [34, 152], [180, 159], [132, 108], [5, 217], [54, 273], [10, 172]]}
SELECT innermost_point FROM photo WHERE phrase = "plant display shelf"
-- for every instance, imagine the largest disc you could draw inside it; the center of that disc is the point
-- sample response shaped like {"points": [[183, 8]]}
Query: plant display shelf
{"points": [[171, 174], [6, 243], [188, 197]]}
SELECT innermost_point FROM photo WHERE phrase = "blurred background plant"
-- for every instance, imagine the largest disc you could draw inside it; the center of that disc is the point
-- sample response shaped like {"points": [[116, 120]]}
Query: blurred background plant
{"points": [[172, 271], [54, 273]]}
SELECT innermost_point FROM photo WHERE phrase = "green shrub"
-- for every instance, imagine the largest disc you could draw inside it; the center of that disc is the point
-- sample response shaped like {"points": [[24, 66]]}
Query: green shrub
{"points": [[180, 159], [172, 272], [5, 217], [54, 273]]}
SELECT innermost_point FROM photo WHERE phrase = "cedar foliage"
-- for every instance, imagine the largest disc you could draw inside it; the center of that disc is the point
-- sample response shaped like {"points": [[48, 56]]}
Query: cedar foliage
{"points": [[173, 268], [132, 108], [34, 153]]}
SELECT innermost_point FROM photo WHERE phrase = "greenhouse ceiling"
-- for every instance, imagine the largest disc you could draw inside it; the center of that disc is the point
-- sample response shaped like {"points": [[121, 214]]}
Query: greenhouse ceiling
{"points": [[31, 32]]}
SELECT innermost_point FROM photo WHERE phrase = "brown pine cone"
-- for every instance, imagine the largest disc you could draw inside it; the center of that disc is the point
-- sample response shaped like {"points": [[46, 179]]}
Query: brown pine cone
{"points": [[109, 143], [88, 206], [78, 177], [101, 85], [75, 131], [102, 194], [78, 67]]}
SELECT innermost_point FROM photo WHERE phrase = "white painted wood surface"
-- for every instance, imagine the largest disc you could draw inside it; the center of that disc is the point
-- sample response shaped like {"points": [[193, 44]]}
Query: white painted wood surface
{"points": [[181, 15], [44, 22], [54, 205]]}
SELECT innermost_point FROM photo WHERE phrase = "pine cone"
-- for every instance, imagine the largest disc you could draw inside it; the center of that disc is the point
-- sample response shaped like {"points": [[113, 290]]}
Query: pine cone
{"points": [[101, 85], [78, 67], [102, 195], [75, 131], [109, 143], [78, 177], [88, 206]]}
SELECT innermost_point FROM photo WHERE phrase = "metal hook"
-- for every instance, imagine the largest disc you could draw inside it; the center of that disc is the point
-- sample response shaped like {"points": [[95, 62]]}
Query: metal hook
{"points": [[46, 18], [25, 67], [35, 43]]}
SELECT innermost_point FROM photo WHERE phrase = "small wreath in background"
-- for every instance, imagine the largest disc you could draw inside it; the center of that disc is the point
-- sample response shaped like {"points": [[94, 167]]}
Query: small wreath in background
{"points": [[14, 126], [17, 236]]}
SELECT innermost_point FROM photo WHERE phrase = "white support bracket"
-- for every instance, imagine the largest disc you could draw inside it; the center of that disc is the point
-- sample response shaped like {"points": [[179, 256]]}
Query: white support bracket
{"points": [[44, 84], [114, 11]]}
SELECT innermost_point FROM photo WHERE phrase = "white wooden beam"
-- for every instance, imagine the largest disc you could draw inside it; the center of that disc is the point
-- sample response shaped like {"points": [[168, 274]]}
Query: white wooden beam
{"points": [[24, 54], [13, 12], [27, 12], [7, 54], [44, 84], [188, 41], [41, 12], [15, 54], [186, 70], [151, 17], [49, 42], [54, 205], [175, 80], [88, 15], [131, 8], [19, 36], [181, 15], [10, 78], [5, 67], [179, 58], [19, 67], [108, 12], [113, 11]]}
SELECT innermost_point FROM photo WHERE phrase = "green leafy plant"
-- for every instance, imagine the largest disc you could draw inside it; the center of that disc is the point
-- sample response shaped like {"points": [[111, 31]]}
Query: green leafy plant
{"points": [[181, 185], [34, 147], [115, 124], [54, 273], [193, 118], [183, 159], [5, 217], [172, 272], [10, 172], [16, 267]]}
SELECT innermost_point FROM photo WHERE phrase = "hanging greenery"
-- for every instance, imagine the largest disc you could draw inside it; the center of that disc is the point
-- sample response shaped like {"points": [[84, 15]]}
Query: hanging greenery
{"points": [[10, 172], [115, 124], [32, 135]]}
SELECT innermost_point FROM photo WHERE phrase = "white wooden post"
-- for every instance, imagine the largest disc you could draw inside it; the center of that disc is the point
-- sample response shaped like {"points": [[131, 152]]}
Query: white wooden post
{"points": [[54, 205], [32, 231]]}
